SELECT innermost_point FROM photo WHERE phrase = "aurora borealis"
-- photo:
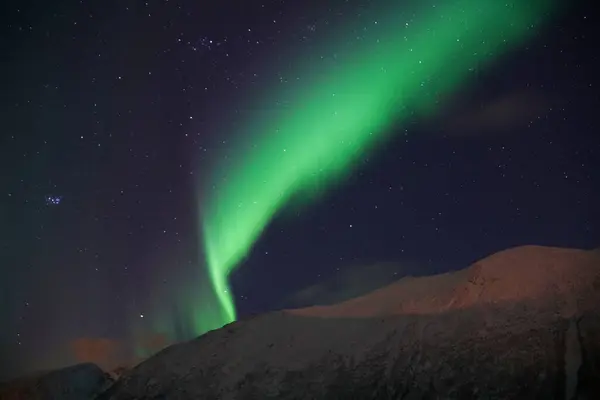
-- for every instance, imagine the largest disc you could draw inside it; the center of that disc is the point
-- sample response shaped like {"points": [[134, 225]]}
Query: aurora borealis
{"points": [[172, 166], [336, 114]]}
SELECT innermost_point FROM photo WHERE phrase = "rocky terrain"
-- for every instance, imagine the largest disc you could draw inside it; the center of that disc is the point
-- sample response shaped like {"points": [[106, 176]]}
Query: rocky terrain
{"points": [[521, 324]]}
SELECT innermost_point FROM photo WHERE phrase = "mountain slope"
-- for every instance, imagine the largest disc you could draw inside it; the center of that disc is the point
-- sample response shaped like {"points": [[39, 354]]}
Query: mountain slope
{"points": [[77, 382], [522, 323], [535, 274]]}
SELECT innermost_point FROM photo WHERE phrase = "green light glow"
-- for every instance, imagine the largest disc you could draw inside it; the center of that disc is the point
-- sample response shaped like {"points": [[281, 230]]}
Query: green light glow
{"points": [[308, 134]]}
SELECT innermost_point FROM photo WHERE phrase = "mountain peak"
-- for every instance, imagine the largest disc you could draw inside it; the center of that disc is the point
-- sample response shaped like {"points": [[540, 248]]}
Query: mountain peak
{"points": [[525, 273]]}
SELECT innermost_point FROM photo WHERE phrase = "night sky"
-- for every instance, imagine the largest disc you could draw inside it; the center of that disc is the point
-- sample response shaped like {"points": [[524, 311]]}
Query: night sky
{"points": [[118, 115]]}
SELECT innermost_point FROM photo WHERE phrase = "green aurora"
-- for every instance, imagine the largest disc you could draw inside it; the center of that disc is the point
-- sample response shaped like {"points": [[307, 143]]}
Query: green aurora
{"points": [[308, 134]]}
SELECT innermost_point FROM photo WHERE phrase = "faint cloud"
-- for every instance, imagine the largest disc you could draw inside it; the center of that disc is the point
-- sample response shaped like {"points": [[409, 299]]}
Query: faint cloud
{"points": [[501, 116], [110, 354], [348, 283], [100, 351]]}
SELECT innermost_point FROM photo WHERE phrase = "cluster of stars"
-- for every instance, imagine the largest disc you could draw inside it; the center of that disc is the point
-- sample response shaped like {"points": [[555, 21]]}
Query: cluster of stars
{"points": [[53, 200]]}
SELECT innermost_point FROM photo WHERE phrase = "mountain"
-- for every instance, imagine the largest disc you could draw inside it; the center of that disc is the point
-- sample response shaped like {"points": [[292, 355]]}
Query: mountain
{"points": [[78, 382], [536, 275], [523, 323]]}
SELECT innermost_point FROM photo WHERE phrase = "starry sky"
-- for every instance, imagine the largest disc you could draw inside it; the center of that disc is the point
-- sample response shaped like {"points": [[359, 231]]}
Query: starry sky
{"points": [[117, 116]]}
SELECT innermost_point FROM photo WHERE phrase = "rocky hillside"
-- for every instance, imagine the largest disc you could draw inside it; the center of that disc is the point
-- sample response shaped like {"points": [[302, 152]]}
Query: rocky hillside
{"points": [[521, 324]]}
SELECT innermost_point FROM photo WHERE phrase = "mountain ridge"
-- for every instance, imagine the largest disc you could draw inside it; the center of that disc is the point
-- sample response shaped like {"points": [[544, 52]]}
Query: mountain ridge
{"points": [[473, 333], [521, 323], [507, 275]]}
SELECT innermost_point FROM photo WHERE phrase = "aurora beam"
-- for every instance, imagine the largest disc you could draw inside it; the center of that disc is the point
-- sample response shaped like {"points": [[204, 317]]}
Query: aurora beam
{"points": [[308, 134]]}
